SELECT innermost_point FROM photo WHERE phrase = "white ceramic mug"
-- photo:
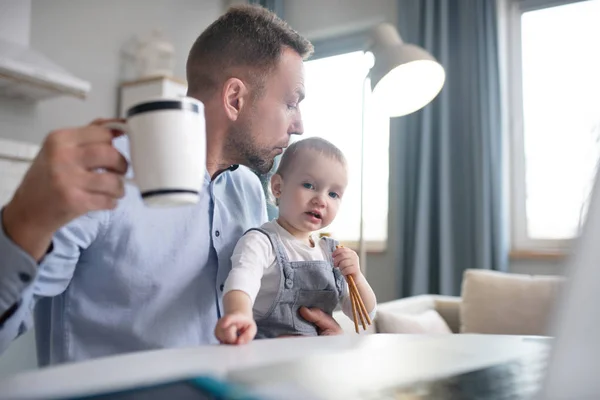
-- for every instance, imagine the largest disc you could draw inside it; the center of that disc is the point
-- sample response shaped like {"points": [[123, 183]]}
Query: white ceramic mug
{"points": [[167, 142]]}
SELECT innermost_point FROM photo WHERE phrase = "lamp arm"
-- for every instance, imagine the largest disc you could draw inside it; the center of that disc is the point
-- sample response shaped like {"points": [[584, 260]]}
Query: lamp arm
{"points": [[362, 247]]}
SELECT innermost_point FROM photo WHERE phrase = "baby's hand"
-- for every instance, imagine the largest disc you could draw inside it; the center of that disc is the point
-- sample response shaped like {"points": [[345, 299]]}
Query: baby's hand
{"points": [[235, 329], [347, 261]]}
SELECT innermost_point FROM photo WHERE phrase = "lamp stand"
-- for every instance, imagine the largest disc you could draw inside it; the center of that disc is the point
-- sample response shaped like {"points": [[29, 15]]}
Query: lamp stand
{"points": [[362, 246]]}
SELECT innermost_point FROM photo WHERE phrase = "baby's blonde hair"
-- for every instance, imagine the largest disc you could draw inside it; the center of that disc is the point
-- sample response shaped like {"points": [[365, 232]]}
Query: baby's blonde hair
{"points": [[316, 144]]}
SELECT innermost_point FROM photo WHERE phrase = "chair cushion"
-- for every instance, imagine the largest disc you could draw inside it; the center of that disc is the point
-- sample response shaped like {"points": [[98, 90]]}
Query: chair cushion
{"points": [[429, 321], [510, 304]]}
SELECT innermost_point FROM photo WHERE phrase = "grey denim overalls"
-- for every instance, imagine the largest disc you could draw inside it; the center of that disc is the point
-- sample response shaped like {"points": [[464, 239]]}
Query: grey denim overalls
{"points": [[303, 283]]}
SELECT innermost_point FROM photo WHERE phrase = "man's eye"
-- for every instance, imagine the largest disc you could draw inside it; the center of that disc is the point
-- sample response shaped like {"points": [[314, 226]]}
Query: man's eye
{"points": [[308, 185], [334, 195], [292, 106]]}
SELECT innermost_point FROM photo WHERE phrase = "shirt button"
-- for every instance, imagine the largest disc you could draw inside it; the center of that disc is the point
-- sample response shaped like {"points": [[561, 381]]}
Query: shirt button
{"points": [[25, 278], [217, 233], [222, 287]]}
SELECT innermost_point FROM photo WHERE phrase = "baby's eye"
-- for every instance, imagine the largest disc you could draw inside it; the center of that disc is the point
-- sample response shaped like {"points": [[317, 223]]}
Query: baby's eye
{"points": [[334, 195], [308, 185]]}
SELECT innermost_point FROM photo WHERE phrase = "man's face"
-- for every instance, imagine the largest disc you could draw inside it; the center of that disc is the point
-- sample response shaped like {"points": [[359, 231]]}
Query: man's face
{"points": [[264, 127]]}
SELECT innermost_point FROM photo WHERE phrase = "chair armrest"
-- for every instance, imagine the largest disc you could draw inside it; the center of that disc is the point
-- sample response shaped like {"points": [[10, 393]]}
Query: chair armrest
{"points": [[449, 308]]}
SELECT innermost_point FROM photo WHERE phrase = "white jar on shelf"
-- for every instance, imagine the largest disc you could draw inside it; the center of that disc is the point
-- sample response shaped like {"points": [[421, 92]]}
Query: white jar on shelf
{"points": [[155, 56]]}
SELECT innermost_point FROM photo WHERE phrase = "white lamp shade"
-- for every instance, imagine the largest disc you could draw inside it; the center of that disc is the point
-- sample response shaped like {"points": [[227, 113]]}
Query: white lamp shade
{"points": [[404, 78]]}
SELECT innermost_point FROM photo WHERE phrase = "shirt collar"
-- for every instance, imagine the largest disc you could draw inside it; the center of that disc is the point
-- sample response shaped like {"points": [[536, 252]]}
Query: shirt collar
{"points": [[231, 168], [284, 233]]}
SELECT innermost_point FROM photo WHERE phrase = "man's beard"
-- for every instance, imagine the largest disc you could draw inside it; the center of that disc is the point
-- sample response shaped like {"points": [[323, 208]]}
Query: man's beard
{"points": [[241, 145]]}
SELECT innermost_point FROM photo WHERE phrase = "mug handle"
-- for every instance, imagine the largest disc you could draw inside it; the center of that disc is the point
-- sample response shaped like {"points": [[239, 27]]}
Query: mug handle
{"points": [[125, 129]]}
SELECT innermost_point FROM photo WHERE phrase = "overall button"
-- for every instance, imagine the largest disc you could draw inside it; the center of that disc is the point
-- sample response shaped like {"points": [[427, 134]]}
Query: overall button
{"points": [[289, 283], [217, 233]]}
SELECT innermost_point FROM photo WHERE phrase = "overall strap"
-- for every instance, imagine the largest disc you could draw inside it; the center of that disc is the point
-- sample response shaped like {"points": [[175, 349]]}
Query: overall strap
{"points": [[280, 253], [280, 256]]}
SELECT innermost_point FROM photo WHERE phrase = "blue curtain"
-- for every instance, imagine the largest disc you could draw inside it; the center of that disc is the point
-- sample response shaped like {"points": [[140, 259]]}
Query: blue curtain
{"points": [[447, 158]]}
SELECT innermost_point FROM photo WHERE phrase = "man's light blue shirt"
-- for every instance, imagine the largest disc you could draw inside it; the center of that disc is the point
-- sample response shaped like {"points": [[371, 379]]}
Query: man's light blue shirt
{"points": [[131, 279]]}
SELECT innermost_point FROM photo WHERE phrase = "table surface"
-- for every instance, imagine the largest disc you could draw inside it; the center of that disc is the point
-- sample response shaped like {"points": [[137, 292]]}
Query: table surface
{"points": [[407, 356]]}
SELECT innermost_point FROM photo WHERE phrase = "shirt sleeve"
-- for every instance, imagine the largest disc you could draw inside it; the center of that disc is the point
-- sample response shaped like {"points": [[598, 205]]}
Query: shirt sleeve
{"points": [[17, 271], [347, 304], [251, 256], [23, 281]]}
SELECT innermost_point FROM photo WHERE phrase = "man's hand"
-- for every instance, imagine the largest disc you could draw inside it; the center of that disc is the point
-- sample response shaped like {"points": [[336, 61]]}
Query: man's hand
{"points": [[63, 183], [326, 325], [235, 329]]}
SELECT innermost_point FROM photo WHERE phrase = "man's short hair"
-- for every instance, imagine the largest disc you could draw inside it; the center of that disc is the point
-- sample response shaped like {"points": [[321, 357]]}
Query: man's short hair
{"points": [[246, 42]]}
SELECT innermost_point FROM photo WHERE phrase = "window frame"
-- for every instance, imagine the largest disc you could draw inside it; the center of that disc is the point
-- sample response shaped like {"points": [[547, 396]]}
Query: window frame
{"points": [[521, 243]]}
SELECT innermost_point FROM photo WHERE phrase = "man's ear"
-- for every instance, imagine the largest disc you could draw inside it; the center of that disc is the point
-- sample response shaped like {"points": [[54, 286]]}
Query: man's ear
{"points": [[276, 185], [235, 97]]}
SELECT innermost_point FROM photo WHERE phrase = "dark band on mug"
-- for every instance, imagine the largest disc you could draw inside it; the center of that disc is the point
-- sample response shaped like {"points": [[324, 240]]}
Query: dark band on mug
{"points": [[160, 192], [163, 105]]}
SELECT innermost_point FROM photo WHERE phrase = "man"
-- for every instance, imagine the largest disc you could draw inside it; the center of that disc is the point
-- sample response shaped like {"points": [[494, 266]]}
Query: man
{"points": [[135, 278]]}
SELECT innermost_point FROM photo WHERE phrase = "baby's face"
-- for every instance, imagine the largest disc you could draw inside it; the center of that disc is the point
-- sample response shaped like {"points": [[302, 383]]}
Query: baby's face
{"points": [[312, 190]]}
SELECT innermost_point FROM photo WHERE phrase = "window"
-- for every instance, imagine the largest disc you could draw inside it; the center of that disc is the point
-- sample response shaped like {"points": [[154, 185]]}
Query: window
{"points": [[555, 119], [333, 110]]}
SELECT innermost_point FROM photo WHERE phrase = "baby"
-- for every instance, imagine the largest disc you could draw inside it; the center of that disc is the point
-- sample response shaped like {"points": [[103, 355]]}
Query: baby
{"points": [[282, 266]]}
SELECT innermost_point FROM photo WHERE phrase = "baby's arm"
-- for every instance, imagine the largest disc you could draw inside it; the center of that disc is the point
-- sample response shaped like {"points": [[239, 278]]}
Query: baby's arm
{"points": [[366, 294], [237, 325], [252, 254], [237, 302]]}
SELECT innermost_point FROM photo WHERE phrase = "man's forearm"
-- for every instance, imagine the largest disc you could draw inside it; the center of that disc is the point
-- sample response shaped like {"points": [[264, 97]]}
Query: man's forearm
{"points": [[32, 238]]}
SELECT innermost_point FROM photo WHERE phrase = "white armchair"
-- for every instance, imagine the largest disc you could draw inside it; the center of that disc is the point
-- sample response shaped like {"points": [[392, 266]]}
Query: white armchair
{"points": [[491, 302]]}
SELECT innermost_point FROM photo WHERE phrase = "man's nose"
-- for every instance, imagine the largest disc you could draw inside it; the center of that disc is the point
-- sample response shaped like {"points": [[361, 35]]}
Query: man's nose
{"points": [[296, 127]]}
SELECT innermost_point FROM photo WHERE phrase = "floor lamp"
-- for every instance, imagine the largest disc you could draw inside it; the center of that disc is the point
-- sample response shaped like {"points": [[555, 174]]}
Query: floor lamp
{"points": [[404, 79]]}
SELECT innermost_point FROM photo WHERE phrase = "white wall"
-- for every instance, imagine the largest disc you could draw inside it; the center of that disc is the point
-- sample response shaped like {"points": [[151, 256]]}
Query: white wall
{"points": [[85, 37], [18, 120], [538, 267], [14, 21]]}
